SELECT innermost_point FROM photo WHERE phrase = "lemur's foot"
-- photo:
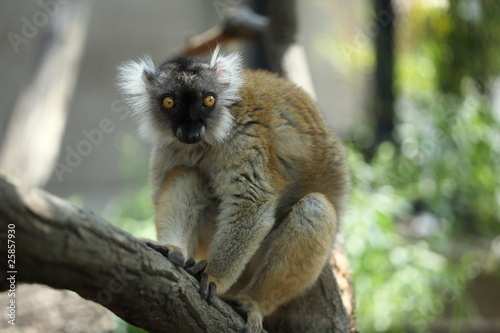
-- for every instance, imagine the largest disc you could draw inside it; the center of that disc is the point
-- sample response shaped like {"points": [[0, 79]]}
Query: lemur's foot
{"points": [[248, 309], [196, 269], [207, 288], [170, 252]]}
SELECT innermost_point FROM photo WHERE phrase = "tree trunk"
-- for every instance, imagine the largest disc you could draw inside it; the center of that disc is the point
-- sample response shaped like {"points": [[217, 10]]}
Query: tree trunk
{"points": [[383, 99]]}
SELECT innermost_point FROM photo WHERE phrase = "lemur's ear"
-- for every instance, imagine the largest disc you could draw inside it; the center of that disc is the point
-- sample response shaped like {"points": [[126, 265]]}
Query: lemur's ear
{"points": [[228, 71], [134, 76], [148, 73]]}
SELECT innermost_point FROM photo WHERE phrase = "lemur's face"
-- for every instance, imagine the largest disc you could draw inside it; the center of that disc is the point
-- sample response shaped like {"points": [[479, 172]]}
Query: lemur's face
{"points": [[185, 92], [185, 99]]}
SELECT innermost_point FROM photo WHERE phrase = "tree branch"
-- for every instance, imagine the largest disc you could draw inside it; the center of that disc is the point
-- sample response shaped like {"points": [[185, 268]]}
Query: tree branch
{"points": [[66, 247], [240, 23]]}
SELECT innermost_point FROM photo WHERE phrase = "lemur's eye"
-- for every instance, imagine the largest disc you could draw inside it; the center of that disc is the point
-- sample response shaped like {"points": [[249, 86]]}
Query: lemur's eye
{"points": [[168, 102], [209, 101]]}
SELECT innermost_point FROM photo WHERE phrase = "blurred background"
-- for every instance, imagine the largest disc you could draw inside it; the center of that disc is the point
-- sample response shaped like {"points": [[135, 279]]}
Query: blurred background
{"points": [[412, 87]]}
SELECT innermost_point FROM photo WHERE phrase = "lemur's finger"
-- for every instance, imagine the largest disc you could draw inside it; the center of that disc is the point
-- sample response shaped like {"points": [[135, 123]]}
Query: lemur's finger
{"points": [[212, 288], [189, 263], [204, 286], [197, 269]]}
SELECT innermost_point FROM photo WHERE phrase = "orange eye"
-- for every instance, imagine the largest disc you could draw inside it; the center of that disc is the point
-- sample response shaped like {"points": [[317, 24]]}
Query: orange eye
{"points": [[168, 102], [209, 101]]}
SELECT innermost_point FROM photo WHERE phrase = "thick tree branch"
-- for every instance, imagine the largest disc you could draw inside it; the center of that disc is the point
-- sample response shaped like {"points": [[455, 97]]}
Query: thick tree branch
{"points": [[240, 23], [66, 247]]}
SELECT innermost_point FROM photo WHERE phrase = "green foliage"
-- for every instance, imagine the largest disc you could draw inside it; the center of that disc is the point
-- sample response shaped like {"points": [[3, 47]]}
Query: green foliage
{"points": [[448, 158], [399, 283], [132, 209], [440, 46], [133, 212], [446, 143], [123, 327], [472, 42], [444, 161], [421, 49]]}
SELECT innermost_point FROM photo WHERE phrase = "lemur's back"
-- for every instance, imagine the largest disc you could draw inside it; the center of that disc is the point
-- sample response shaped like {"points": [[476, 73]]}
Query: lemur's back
{"points": [[303, 153]]}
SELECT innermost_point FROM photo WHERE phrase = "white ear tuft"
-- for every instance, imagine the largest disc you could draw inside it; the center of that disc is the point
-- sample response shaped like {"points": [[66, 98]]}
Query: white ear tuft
{"points": [[131, 75], [228, 70], [215, 55], [132, 81]]}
